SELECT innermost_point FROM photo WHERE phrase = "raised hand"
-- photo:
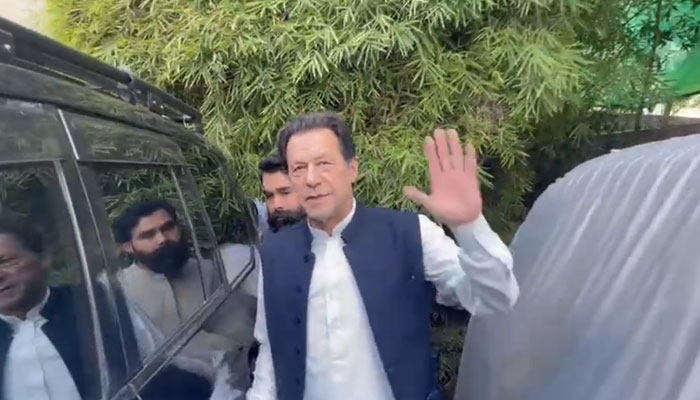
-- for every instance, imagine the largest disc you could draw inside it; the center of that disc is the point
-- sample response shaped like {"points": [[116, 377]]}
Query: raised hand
{"points": [[454, 197]]}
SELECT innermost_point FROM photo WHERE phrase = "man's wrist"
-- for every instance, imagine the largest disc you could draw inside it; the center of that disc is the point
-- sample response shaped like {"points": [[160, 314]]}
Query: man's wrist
{"points": [[466, 232]]}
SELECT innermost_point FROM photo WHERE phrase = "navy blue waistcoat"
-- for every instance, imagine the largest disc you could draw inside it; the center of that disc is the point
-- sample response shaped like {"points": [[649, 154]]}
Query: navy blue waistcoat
{"points": [[384, 250]]}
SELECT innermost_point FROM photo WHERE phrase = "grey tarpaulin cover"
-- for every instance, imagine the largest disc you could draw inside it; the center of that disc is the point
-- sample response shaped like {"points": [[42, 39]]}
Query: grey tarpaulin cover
{"points": [[608, 261]]}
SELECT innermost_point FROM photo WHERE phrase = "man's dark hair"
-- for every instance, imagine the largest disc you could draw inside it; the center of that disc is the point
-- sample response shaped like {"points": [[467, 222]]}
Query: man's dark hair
{"points": [[123, 225], [24, 231], [317, 120], [271, 165]]}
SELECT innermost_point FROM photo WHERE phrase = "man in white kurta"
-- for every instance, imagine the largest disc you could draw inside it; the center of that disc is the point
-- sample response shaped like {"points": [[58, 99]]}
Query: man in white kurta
{"points": [[342, 360]]}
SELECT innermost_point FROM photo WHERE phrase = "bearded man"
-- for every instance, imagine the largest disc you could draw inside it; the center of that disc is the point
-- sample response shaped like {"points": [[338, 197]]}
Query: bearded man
{"points": [[166, 284], [281, 202], [163, 279]]}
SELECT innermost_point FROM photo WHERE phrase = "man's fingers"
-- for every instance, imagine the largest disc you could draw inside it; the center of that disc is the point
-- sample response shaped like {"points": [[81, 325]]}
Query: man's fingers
{"points": [[434, 166], [456, 153], [470, 163], [443, 151], [416, 195]]}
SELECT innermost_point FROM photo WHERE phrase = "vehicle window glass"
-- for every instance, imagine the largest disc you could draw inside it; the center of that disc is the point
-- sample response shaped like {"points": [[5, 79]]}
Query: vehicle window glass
{"points": [[98, 139], [47, 342], [30, 131], [160, 297], [164, 250], [229, 210]]}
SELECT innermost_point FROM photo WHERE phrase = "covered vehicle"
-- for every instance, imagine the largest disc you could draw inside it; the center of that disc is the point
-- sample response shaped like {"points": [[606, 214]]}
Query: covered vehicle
{"points": [[608, 262]]}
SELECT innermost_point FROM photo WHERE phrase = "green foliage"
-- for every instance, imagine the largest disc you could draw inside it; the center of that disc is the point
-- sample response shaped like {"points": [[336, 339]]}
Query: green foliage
{"points": [[626, 62], [395, 70], [634, 42], [679, 23], [685, 80]]}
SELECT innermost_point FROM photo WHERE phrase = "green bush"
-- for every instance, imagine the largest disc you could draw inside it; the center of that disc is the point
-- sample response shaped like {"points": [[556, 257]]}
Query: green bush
{"points": [[394, 69]]}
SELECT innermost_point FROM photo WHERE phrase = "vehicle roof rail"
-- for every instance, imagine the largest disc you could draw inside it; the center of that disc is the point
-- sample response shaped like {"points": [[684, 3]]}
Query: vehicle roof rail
{"points": [[27, 49]]}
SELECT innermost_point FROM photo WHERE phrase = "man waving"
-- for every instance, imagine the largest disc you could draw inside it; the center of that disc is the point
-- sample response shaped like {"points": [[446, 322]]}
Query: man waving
{"points": [[344, 305]]}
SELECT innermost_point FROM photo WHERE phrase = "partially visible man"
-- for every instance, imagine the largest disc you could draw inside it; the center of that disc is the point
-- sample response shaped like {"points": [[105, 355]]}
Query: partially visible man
{"points": [[165, 284], [42, 345], [281, 208], [26, 327], [282, 203]]}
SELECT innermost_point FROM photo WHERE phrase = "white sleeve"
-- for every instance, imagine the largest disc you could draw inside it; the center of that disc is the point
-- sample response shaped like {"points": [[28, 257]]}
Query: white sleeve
{"points": [[263, 387], [476, 275]]}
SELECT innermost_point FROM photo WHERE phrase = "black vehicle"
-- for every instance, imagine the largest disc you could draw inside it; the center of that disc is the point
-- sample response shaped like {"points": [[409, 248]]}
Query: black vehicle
{"points": [[80, 143]]}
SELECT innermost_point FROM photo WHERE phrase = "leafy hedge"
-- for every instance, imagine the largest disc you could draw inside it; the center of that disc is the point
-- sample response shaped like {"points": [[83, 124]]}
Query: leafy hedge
{"points": [[394, 69]]}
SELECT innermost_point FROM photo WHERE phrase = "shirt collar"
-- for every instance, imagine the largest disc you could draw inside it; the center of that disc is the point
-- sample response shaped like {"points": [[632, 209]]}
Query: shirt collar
{"points": [[321, 234], [32, 315], [146, 273]]}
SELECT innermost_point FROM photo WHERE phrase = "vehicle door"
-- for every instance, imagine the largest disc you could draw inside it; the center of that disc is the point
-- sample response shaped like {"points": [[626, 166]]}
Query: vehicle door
{"points": [[198, 342], [71, 175]]}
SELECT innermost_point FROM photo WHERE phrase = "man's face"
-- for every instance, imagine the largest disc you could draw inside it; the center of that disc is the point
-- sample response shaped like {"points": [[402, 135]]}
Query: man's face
{"points": [[283, 207], [22, 277], [157, 243], [321, 176]]}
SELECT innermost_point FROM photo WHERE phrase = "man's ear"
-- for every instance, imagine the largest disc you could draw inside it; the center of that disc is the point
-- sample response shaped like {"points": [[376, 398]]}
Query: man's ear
{"points": [[354, 168], [127, 248]]}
